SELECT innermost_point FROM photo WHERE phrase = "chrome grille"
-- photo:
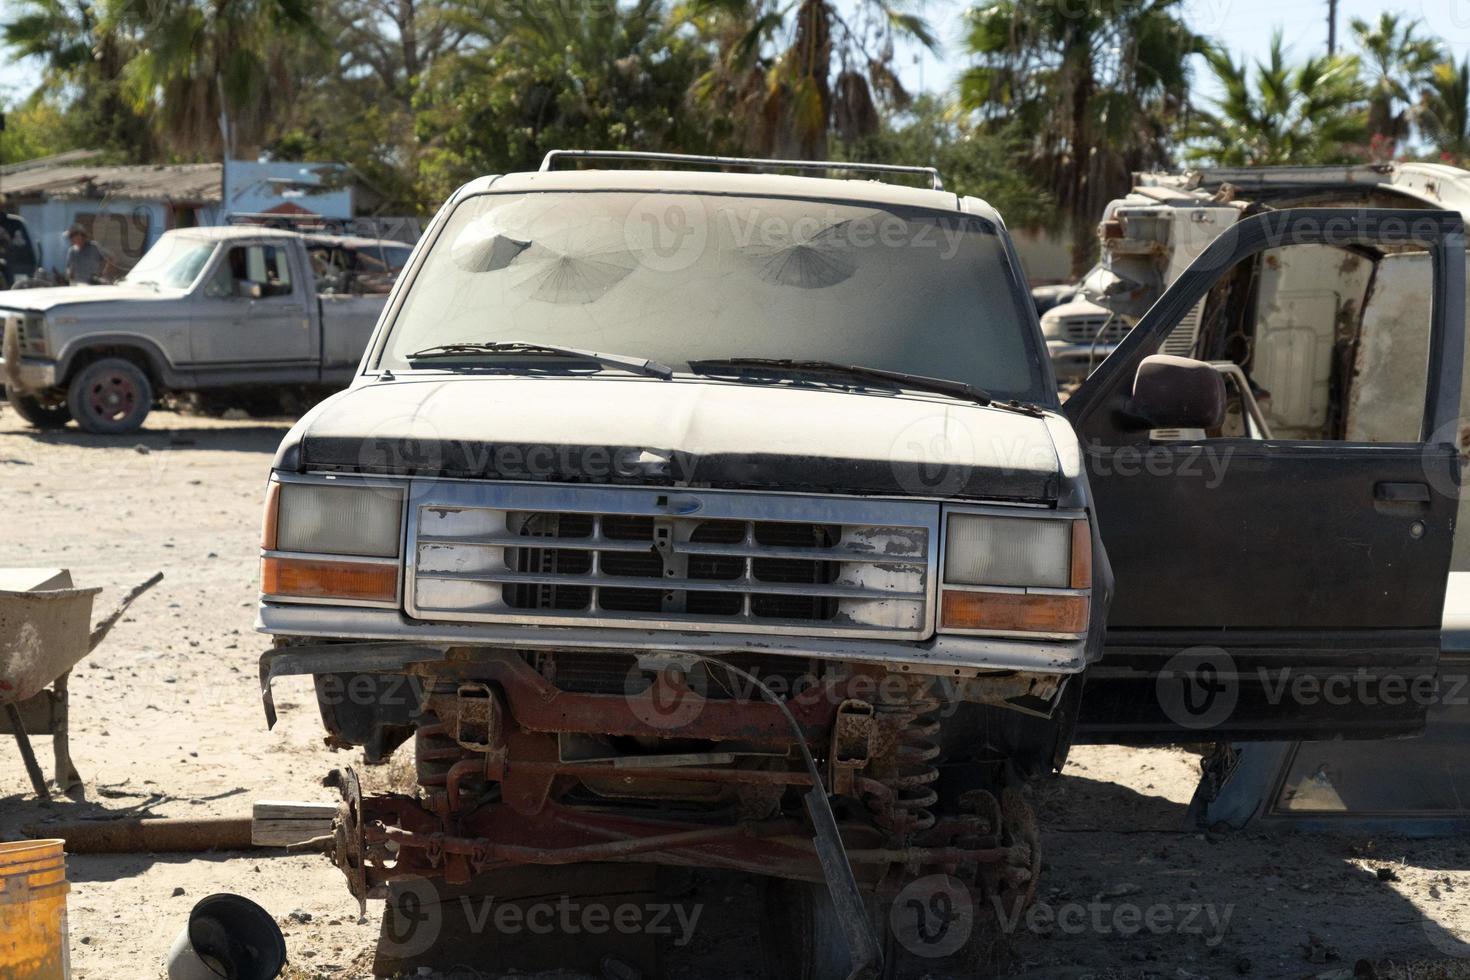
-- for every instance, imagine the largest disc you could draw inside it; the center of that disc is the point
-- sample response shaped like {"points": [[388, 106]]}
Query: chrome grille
{"points": [[670, 559], [1087, 329]]}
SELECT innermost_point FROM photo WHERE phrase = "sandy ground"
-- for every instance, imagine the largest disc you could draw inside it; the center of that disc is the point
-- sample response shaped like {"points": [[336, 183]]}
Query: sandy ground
{"points": [[167, 722]]}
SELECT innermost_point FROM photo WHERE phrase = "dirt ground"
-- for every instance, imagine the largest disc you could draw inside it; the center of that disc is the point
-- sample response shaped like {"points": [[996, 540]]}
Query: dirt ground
{"points": [[167, 722]]}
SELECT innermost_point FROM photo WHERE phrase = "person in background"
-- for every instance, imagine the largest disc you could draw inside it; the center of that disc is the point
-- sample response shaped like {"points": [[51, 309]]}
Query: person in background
{"points": [[84, 260]]}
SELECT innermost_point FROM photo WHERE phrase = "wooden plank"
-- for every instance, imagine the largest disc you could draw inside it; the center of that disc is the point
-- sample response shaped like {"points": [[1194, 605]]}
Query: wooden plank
{"points": [[281, 823], [293, 810]]}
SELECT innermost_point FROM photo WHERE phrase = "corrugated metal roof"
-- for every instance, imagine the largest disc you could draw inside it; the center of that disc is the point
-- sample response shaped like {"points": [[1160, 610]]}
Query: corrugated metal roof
{"points": [[197, 183]]}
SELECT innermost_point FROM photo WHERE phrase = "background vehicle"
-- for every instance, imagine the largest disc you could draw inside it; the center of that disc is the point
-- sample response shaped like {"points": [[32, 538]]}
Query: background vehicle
{"points": [[599, 567], [19, 260], [206, 309]]}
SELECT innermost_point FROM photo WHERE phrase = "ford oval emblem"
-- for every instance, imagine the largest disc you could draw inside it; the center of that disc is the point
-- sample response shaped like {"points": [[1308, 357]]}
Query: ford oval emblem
{"points": [[681, 503]]}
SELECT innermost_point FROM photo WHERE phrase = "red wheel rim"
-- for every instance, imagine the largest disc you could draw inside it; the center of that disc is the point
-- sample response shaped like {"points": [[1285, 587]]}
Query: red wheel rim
{"points": [[113, 397]]}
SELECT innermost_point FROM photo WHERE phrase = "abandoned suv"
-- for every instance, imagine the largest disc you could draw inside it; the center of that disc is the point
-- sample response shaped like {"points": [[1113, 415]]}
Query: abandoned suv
{"points": [[732, 521]]}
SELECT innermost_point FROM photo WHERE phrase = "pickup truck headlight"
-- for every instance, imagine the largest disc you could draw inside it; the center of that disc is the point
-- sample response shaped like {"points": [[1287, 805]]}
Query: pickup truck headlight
{"points": [[1015, 574], [1051, 326], [332, 542], [31, 335]]}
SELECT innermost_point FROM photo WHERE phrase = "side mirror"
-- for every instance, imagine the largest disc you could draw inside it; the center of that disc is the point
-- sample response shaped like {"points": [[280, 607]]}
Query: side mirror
{"points": [[1172, 392], [248, 289]]}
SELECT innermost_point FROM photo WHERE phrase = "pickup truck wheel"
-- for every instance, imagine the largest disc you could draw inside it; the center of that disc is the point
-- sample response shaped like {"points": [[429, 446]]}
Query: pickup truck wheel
{"points": [[43, 413], [110, 396]]}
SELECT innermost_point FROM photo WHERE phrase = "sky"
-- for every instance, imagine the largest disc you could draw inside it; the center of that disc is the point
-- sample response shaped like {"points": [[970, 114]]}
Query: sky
{"points": [[1243, 26]]}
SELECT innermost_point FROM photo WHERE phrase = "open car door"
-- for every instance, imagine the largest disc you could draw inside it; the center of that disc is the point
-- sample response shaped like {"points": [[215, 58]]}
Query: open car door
{"points": [[1265, 588]]}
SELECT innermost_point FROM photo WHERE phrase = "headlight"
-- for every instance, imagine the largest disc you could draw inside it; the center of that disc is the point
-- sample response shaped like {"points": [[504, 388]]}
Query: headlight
{"points": [[33, 335], [1015, 574], [339, 520], [361, 526], [1008, 551]]}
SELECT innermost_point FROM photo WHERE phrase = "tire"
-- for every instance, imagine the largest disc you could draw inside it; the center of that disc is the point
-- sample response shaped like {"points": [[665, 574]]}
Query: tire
{"points": [[801, 935], [42, 413], [110, 396]]}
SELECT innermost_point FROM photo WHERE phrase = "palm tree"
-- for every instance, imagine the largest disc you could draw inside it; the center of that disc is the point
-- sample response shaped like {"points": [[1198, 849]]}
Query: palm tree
{"points": [[1443, 113], [1397, 61], [1099, 88], [786, 75], [199, 60], [82, 58], [1315, 112]]}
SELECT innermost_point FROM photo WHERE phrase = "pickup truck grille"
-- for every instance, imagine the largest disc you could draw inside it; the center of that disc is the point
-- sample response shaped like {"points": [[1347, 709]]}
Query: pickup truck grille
{"points": [[667, 559], [1087, 329]]}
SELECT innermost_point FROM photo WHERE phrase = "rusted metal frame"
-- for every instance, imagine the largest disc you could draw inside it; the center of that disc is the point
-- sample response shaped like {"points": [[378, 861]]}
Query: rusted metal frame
{"points": [[483, 852], [539, 706], [759, 777], [780, 840], [791, 858]]}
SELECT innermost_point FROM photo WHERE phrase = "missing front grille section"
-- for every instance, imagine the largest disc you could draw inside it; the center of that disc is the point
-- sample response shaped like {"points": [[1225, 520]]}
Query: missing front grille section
{"points": [[549, 561]]}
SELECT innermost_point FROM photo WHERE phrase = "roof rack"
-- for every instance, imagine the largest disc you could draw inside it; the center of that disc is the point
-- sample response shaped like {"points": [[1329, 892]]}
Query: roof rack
{"points": [[752, 163]]}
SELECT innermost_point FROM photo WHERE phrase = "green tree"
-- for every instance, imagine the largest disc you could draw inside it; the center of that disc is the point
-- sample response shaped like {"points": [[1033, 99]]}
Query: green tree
{"points": [[82, 57], [787, 76], [200, 59], [1443, 113], [536, 76], [354, 98], [1098, 88], [1397, 61], [973, 160], [36, 127], [1314, 112]]}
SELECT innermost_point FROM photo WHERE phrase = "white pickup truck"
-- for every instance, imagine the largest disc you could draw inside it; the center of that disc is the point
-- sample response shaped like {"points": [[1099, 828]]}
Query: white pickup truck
{"points": [[204, 309]]}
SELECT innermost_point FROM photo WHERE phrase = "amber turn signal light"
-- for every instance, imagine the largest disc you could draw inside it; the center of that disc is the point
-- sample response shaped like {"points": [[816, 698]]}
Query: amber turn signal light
{"points": [[1021, 612], [272, 510], [1081, 555], [315, 578]]}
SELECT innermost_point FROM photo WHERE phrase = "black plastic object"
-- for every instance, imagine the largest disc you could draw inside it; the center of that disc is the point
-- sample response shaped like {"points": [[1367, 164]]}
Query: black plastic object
{"points": [[228, 936]]}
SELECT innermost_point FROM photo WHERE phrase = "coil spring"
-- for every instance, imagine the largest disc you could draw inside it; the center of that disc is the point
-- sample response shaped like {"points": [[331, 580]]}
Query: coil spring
{"points": [[435, 754], [912, 773]]}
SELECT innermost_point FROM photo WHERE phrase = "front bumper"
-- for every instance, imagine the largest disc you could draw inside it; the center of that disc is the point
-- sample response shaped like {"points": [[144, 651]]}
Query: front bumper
{"points": [[1076, 361], [948, 656], [29, 375]]}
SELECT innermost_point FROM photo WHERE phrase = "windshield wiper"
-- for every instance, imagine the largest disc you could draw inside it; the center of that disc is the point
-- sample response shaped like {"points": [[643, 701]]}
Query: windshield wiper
{"points": [[943, 386], [642, 365]]}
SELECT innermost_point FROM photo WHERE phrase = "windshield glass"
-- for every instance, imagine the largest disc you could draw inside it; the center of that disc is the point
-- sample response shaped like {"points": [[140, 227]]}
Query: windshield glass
{"points": [[677, 277], [174, 262]]}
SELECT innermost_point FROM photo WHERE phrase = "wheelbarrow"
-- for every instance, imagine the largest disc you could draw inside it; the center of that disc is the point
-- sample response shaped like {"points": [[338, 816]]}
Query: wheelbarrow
{"points": [[45, 630]]}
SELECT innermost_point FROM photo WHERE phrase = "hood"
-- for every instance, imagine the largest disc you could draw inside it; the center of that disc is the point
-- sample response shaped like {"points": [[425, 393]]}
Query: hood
{"points": [[683, 432], [54, 297]]}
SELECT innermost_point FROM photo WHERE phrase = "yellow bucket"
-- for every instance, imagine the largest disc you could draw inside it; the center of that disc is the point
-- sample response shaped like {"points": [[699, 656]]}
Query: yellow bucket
{"points": [[33, 944]]}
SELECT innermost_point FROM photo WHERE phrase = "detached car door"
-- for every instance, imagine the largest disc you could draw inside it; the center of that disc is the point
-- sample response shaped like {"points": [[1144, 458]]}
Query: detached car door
{"points": [[1272, 588]]}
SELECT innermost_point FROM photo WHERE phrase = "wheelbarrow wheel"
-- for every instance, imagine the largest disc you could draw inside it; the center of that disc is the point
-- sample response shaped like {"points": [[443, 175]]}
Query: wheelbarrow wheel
{"points": [[43, 413]]}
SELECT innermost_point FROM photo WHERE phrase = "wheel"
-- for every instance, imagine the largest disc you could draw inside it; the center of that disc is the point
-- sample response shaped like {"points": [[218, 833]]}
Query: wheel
{"points": [[110, 396], [801, 935], [43, 413]]}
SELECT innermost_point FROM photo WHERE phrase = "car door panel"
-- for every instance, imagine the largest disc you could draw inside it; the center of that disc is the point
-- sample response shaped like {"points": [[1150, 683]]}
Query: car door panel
{"points": [[1262, 570], [239, 334], [1274, 510]]}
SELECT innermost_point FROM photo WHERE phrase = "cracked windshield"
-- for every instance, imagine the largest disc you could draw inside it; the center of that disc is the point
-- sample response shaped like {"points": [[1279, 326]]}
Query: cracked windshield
{"points": [[677, 278]]}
